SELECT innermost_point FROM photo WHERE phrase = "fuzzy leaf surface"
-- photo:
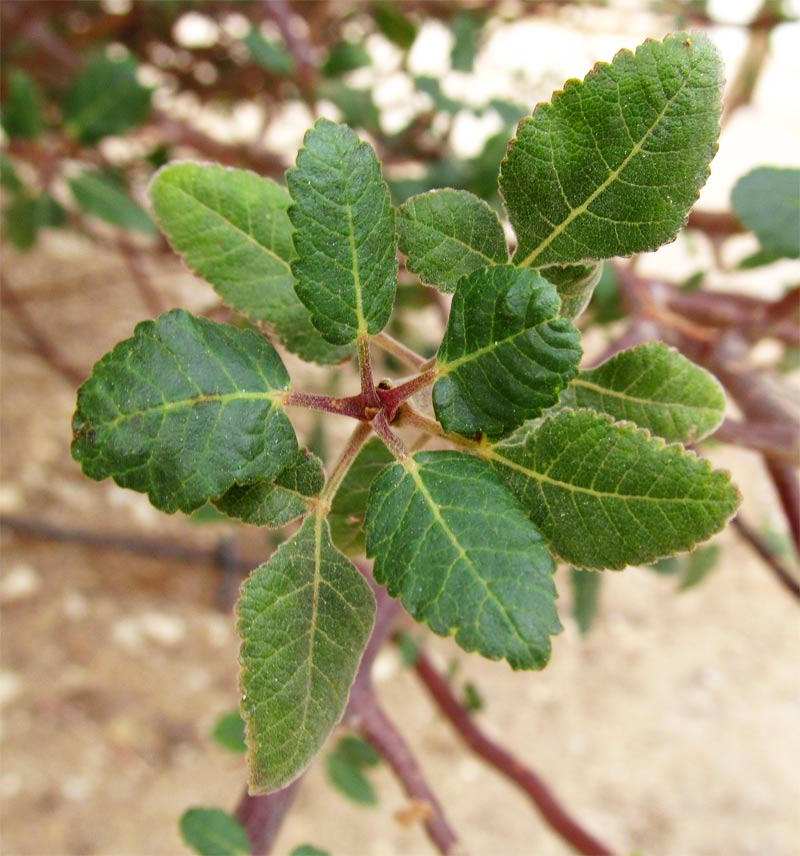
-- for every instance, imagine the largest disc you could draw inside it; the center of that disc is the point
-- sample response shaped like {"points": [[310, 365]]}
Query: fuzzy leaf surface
{"points": [[505, 355], [614, 163], [349, 507], [274, 502], [102, 197], [767, 201], [607, 494], [233, 229], [461, 554], [446, 234], [214, 832], [575, 285], [305, 618], [656, 387], [346, 265], [183, 410]]}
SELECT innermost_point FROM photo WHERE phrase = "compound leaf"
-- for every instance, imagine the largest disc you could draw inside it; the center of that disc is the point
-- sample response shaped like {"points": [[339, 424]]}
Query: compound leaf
{"points": [[105, 98], [184, 410], [767, 201], [346, 268], [232, 228], [614, 163], [103, 197], [505, 355], [446, 234], [656, 387], [607, 494], [349, 507], [274, 502], [304, 618], [214, 832], [462, 556]]}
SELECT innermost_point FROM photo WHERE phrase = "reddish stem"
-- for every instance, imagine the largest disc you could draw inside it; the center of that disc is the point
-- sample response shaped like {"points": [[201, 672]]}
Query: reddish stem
{"points": [[352, 406], [392, 398], [262, 816], [551, 810]]}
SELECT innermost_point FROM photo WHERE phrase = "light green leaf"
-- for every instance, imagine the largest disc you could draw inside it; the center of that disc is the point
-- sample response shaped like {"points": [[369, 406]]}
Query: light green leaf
{"points": [[346, 766], [276, 501], [305, 618], [446, 234], [21, 115], [607, 494], [229, 732], [103, 197], [184, 410], [232, 227], [105, 98], [505, 355], [767, 201], [699, 565], [214, 832], [656, 387], [575, 285], [613, 165], [585, 597], [466, 29], [346, 268], [349, 507], [270, 55], [26, 215], [308, 850], [462, 556]]}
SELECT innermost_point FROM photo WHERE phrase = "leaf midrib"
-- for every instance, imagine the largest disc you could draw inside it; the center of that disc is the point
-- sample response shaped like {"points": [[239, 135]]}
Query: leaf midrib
{"points": [[448, 367], [677, 405]]}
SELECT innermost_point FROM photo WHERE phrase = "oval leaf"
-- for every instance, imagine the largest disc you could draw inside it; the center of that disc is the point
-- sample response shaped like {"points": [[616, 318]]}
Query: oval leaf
{"points": [[608, 495], [233, 229], [184, 410], [456, 548], [214, 832], [446, 234], [505, 355], [346, 268], [656, 387], [613, 165], [767, 201], [305, 618], [102, 197]]}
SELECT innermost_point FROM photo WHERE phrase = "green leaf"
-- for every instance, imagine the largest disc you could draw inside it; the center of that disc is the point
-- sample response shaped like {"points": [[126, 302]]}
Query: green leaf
{"points": [[656, 387], [183, 411], [699, 565], [233, 229], [344, 57], [26, 215], [346, 268], [395, 25], [276, 501], [305, 618], [271, 56], [575, 285], [473, 700], [214, 832], [441, 102], [8, 175], [349, 507], [356, 105], [105, 98], [505, 355], [308, 850], [585, 597], [21, 116], [607, 494], [462, 556], [614, 163], [466, 29], [103, 197], [767, 201], [229, 732], [346, 765], [447, 234]]}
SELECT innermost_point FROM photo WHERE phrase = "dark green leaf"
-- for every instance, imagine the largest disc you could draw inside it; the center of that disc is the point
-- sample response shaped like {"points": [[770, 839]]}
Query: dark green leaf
{"points": [[229, 732], [606, 303], [585, 597], [305, 618], [460, 553], [8, 175], [232, 227], [105, 198], [656, 387], [274, 502], [409, 649], [346, 268], [466, 29], [607, 494], [575, 285], [271, 56], [27, 214], [505, 355], [395, 25], [105, 98], [344, 57], [767, 201], [22, 110], [446, 234], [349, 506], [613, 165], [214, 832], [346, 765], [183, 411]]}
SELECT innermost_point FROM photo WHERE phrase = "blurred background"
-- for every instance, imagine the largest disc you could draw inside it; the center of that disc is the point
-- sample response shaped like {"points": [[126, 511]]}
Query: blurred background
{"points": [[667, 719]]}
